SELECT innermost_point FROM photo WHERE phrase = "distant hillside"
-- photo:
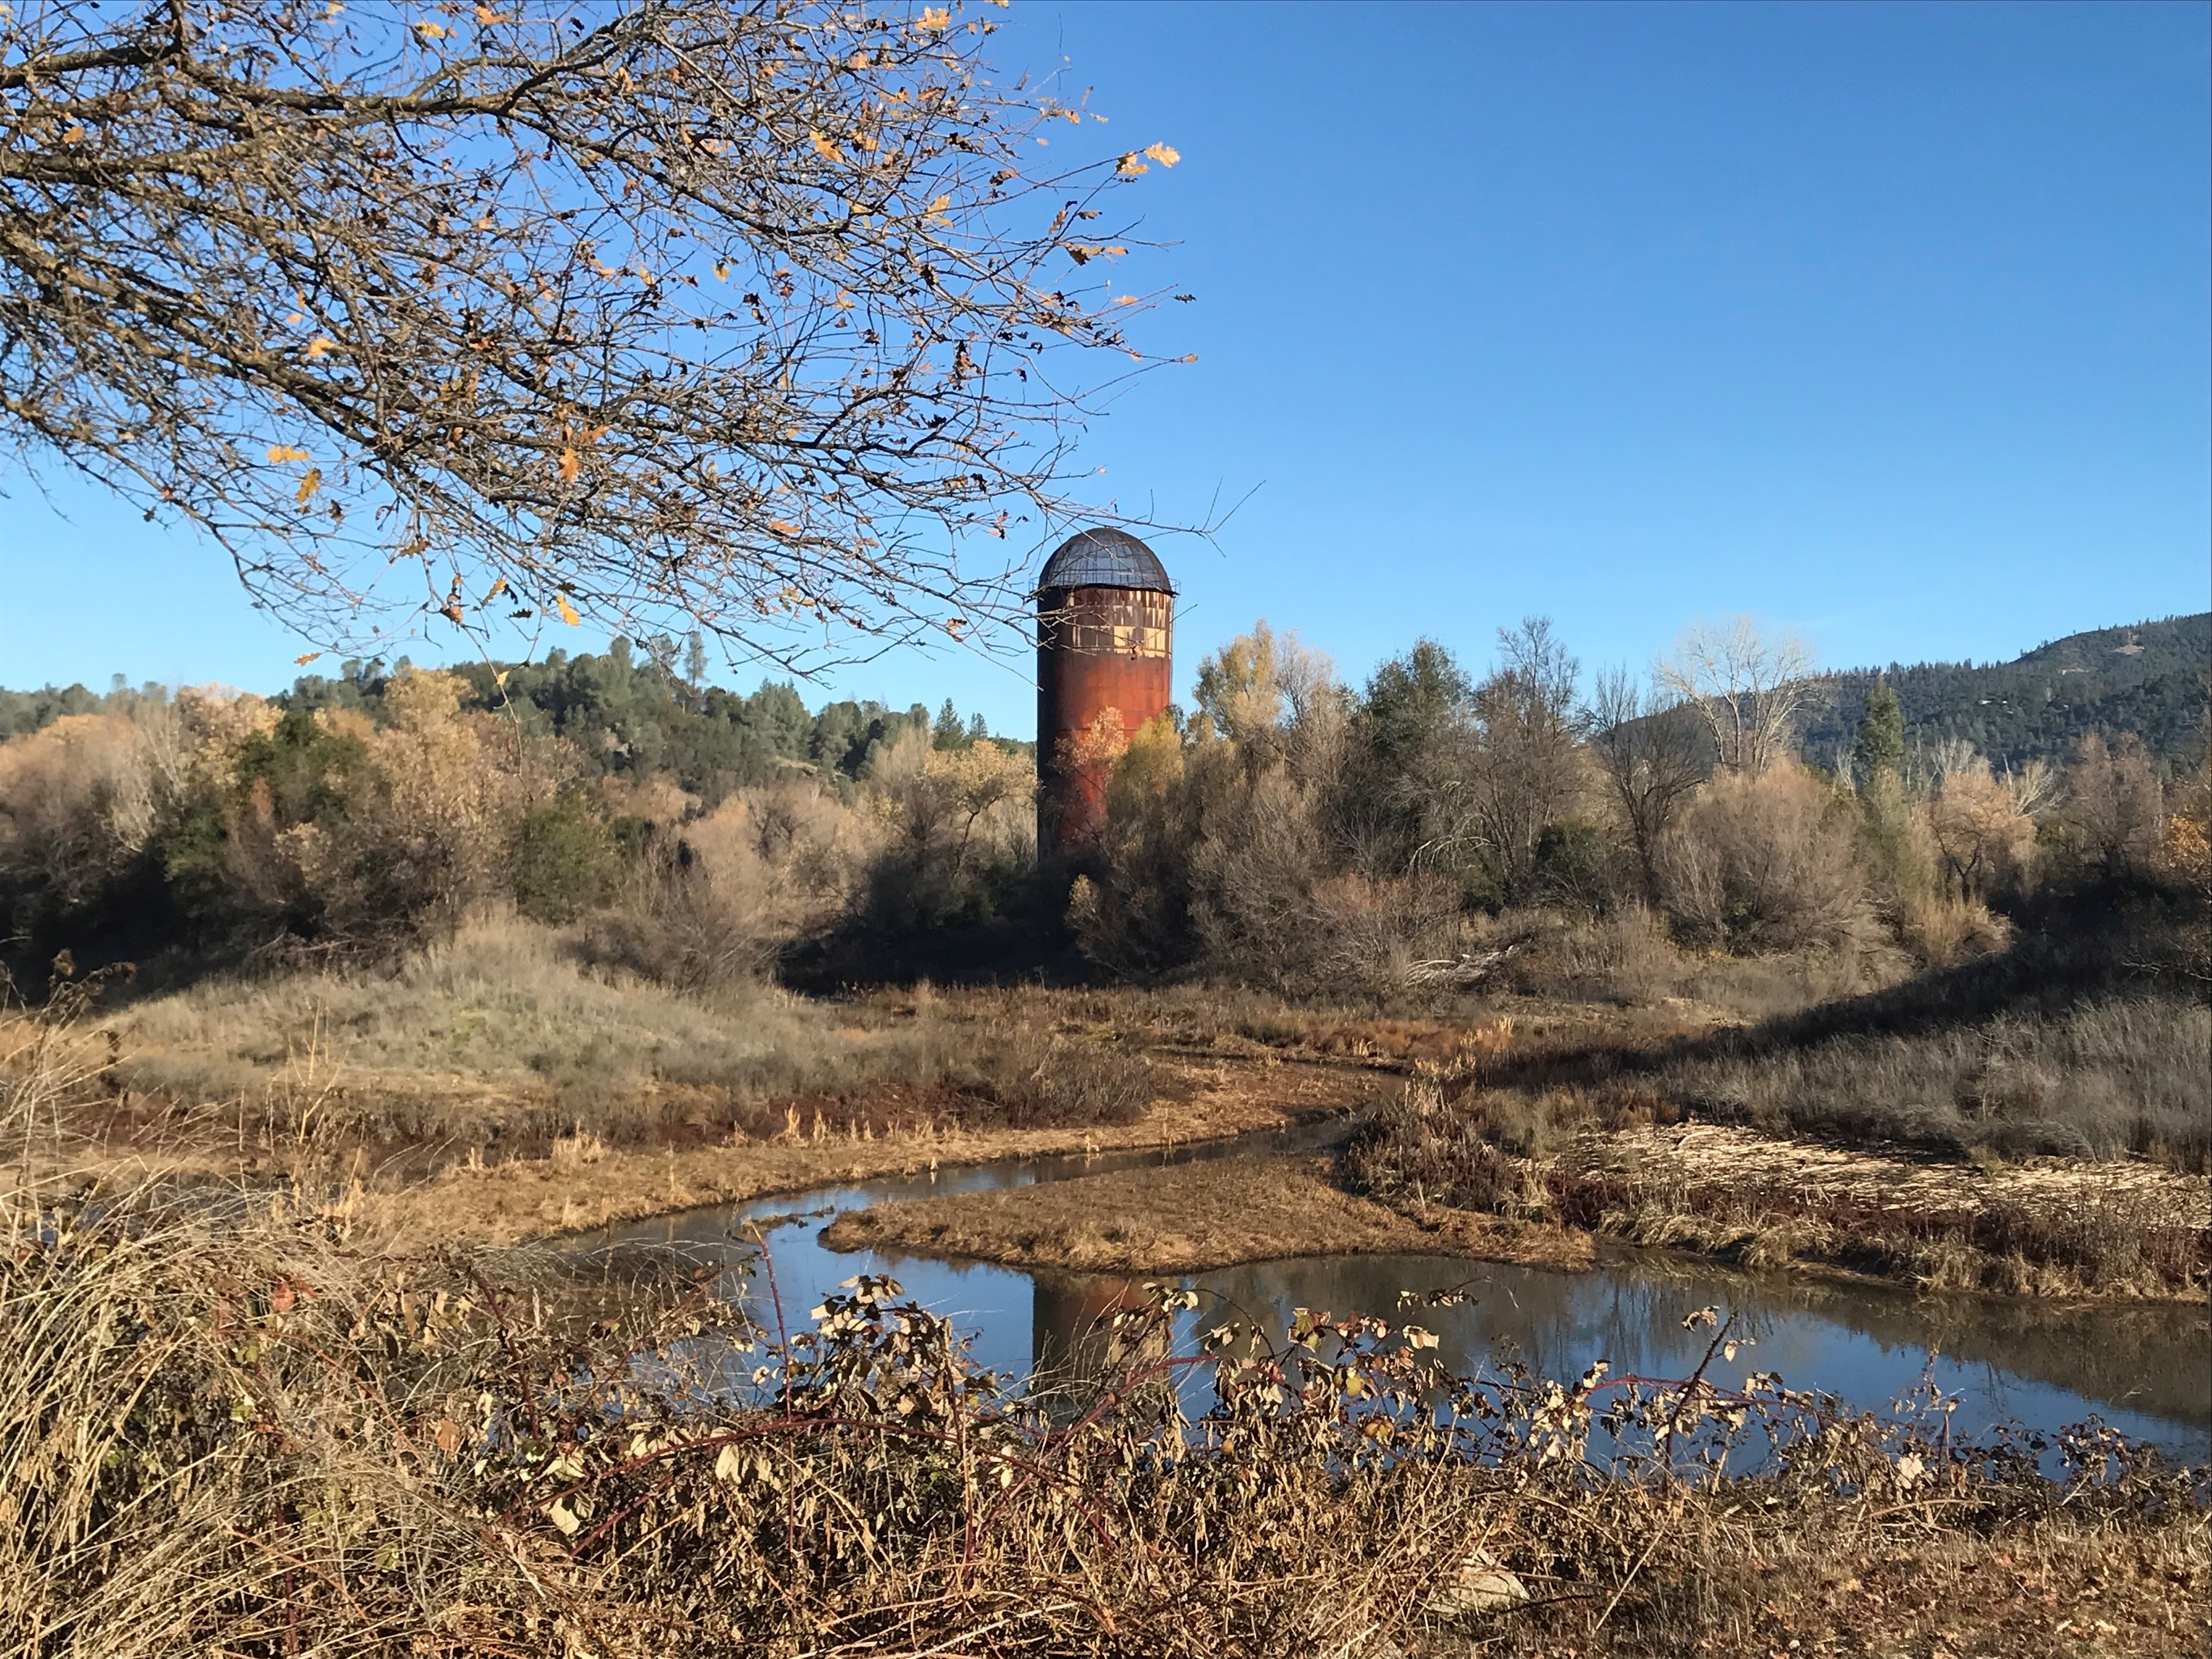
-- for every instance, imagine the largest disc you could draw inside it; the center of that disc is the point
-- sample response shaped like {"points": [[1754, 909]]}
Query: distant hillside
{"points": [[2149, 679]]}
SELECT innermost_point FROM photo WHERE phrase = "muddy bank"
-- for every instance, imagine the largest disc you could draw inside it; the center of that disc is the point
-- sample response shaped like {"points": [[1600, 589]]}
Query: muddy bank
{"points": [[1189, 1218]]}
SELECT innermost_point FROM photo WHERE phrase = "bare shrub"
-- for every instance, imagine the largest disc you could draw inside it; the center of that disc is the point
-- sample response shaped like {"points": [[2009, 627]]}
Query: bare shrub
{"points": [[1038, 1080], [1526, 771], [1986, 841], [710, 903], [1625, 956], [1652, 751], [2115, 810], [1944, 929], [1766, 860]]}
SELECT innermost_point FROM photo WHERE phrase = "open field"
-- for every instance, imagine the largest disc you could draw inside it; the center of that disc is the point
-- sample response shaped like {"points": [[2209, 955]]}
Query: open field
{"points": [[498, 1089]]}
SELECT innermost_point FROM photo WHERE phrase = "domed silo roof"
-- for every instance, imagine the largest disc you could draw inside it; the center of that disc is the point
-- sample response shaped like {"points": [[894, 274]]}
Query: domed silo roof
{"points": [[1105, 557]]}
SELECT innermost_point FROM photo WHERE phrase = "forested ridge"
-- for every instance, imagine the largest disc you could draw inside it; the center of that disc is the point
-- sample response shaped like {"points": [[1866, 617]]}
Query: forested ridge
{"points": [[641, 709], [631, 709], [2148, 679]]}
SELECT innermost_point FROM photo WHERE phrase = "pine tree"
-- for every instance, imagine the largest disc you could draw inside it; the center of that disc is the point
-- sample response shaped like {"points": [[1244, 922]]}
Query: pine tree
{"points": [[1880, 743], [949, 732]]}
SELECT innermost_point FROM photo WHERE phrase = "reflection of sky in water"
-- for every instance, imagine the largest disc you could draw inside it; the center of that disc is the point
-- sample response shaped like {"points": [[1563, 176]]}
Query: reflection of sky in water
{"points": [[2145, 1371]]}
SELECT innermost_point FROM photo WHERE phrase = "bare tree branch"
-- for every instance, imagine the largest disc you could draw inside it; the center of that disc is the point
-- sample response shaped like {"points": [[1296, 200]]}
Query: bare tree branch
{"points": [[1747, 684], [749, 314]]}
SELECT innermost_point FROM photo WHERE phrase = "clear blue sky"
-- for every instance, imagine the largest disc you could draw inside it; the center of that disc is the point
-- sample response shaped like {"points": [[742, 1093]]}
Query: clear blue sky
{"points": [[1888, 323]]}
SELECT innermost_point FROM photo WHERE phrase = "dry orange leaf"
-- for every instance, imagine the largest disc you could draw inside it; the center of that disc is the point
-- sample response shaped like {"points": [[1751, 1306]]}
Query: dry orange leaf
{"points": [[286, 452], [309, 657], [320, 344], [1166, 154], [570, 465], [568, 610]]}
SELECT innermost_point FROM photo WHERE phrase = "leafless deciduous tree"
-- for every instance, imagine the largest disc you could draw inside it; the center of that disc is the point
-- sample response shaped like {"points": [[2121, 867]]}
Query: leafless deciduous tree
{"points": [[1525, 770], [751, 312], [1653, 751], [1748, 685], [2115, 804]]}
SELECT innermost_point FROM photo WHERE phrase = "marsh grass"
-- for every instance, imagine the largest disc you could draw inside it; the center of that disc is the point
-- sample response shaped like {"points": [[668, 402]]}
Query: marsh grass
{"points": [[258, 1433], [239, 1422], [506, 1036], [2115, 1077], [1506, 1152]]}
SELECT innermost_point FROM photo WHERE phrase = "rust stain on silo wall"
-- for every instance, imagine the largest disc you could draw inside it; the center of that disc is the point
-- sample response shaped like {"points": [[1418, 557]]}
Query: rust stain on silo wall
{"points": [[1105, 666]]}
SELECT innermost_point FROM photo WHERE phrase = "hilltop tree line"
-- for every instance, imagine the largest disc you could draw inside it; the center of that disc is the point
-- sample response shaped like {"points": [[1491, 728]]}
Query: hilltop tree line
{"points": [[1290, 828], [635, 708], [368, 811]]}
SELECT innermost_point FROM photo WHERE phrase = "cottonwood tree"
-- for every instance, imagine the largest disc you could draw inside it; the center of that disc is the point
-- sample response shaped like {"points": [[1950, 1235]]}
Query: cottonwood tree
{"points": [[1526, 771], [1747, 684], [1653, 751], [747, 316]]}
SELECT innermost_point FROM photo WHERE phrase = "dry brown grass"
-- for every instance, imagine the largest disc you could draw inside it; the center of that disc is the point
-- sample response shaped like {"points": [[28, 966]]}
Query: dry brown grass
{"points": [[264, 1433], [251, 1424], [1189, 1217], [2048, 1228], [504, 1037]]}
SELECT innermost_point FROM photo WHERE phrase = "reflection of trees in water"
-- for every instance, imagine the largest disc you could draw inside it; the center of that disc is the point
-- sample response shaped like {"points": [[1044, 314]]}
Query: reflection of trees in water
{"points": [[1074, 1348], [1860, 1342], [2155, 1361]]}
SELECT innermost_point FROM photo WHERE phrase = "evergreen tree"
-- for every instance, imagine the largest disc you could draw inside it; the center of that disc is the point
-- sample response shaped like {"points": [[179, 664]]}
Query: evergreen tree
{"points": [[1880, 743], [949, 732]]}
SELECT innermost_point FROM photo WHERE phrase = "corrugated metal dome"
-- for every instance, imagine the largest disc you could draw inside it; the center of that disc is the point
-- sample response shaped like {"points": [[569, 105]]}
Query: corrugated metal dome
{"points": [[1105, 557]]}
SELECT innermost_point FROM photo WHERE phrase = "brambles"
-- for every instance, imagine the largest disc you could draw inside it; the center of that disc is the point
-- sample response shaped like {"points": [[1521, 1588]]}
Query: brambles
{"points": [[259, 1433]]}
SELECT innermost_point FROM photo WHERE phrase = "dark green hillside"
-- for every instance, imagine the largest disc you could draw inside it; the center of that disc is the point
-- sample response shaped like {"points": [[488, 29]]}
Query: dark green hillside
{"points": [[2149, 679]]}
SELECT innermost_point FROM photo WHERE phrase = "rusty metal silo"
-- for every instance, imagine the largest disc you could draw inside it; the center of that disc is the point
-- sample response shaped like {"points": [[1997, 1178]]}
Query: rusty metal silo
{"points": [[1105, 666]]}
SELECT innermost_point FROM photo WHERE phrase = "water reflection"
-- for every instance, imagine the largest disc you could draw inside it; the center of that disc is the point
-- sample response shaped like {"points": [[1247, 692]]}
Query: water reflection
{"points": [[2146, 1371]]}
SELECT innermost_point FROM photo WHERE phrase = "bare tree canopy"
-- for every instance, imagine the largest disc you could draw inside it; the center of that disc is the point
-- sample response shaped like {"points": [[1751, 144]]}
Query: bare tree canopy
{"points": [[754, 314], [1748, 685], [1654, 751]]}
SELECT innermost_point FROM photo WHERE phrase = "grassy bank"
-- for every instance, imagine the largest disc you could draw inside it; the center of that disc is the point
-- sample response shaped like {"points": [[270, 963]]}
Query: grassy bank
{"points": [[270, 1434], [506, 1038], [1189, 1217], [2039, 1227]]}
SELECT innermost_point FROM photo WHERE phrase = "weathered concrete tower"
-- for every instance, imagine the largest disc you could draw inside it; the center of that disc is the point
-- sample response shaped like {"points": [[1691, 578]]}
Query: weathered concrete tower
{"points": [[1105, 666]]}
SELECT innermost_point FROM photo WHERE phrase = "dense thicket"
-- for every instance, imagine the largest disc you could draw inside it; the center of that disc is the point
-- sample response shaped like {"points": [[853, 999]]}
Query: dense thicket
{"points": [[694, 830], [1291, 831]]}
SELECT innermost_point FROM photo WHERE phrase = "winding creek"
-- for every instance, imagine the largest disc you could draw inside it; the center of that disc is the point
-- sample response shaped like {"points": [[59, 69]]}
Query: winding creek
{"points": [[2146, 1371]]}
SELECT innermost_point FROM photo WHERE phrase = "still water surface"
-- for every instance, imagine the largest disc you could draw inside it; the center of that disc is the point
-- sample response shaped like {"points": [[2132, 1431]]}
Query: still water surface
{"points": [[2145, 1370]]}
